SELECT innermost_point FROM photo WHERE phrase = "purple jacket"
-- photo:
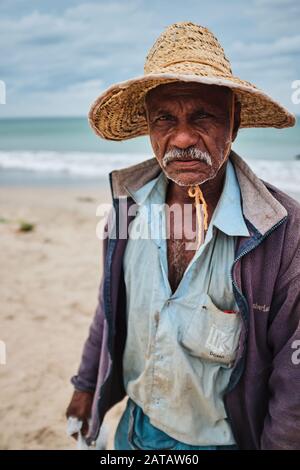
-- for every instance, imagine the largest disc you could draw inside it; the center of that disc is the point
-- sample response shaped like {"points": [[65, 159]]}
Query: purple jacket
{"points": [[262, 399]]}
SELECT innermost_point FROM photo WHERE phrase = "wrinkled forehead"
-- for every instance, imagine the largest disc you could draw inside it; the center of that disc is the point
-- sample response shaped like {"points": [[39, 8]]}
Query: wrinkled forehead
{"points": [[188, 91]]}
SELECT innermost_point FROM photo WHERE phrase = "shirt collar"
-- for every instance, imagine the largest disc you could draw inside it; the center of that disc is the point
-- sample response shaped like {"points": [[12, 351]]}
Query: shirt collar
{"points": [[152, 192], [227, 216]]}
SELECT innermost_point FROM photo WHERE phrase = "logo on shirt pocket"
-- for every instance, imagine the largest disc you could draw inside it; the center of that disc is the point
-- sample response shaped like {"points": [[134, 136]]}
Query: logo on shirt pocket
{"points": [[212, 333], [219, 341]]}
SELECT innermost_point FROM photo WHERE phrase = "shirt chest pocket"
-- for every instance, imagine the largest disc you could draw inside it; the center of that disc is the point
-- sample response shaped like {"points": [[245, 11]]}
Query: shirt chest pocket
{"points": [[212, 334]]}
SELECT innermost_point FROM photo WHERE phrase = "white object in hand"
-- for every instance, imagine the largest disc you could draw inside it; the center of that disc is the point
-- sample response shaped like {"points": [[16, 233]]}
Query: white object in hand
{"points": [[74, 426]]}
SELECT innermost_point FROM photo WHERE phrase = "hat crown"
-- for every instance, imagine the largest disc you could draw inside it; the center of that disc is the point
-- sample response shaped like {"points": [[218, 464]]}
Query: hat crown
{"points": [[183, 43]]}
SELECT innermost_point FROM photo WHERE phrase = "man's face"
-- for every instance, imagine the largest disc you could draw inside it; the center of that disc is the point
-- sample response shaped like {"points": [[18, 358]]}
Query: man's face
{"points": [[191, 126]]}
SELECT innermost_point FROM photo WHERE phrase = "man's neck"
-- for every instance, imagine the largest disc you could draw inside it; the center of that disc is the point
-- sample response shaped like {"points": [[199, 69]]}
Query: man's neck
{"points": [[211, 190]]}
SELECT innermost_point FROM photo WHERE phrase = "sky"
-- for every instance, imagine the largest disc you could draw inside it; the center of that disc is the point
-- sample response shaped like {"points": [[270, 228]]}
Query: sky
{"points": [[57, 56]]}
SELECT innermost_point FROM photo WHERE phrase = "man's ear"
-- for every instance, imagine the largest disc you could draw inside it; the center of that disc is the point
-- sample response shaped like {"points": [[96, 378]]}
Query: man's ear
{"points": [[237, 118]]}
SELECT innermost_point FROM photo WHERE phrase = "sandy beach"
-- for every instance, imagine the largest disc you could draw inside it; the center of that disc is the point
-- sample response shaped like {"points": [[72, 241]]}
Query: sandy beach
{"points": [[49, 283]]}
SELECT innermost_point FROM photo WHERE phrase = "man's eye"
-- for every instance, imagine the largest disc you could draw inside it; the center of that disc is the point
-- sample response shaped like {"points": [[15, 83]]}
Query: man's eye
{"points": [[164, 117], [201, 116]]}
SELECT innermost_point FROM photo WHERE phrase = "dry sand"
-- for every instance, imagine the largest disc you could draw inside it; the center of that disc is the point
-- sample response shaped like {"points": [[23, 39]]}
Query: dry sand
{"points": [[48, 294]]}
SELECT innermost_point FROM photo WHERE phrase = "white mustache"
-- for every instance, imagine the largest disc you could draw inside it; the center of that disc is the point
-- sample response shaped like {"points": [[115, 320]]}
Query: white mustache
{"points": [[190, 153]]}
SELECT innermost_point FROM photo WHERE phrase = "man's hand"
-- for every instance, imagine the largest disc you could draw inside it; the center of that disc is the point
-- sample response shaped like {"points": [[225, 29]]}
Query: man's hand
{"points": [[80, 407]]}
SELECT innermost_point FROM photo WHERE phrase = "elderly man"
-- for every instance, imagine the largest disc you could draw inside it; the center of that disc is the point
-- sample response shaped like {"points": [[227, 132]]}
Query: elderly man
{"points": [[197, 323]]}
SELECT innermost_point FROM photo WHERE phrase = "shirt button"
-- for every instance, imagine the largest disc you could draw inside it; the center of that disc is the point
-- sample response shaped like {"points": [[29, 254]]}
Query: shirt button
{"points": [[168, 302]]}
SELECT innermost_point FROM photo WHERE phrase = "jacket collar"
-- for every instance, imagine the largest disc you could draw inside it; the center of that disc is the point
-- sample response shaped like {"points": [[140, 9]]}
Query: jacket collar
{"points": [[259, 206]]}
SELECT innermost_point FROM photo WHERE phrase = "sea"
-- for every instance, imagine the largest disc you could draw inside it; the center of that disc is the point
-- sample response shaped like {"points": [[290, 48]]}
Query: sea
{"points": [[66, 151]]}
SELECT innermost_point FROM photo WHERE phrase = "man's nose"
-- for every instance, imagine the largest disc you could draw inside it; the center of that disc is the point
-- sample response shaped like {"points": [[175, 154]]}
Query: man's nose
{"points": [[183, 137]]}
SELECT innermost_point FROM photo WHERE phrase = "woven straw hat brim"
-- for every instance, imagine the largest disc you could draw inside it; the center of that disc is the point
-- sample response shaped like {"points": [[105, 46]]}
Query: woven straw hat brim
{"points": [[119, 112]]}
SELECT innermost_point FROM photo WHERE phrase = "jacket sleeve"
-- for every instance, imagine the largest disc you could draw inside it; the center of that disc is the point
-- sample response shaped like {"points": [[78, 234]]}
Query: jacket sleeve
{"points": [[282, 424], [86, 377]]}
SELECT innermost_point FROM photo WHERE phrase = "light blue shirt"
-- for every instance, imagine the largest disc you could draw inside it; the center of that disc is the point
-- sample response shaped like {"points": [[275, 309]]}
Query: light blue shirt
{"points": [[181, 346]]}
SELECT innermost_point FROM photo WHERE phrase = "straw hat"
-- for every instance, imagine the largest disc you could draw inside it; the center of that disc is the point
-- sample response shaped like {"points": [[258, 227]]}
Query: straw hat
{"points": [[183, 52]]}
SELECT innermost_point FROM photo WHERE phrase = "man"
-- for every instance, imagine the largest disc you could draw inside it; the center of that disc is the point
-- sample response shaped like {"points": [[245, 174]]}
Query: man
{"points": [[197, 323]]}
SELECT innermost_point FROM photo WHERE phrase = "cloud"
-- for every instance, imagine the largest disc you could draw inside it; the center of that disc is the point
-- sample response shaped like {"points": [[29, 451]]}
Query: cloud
{"points": [[73, 100], [54, 53], [275, 17], [278, 47], [72, 49]]}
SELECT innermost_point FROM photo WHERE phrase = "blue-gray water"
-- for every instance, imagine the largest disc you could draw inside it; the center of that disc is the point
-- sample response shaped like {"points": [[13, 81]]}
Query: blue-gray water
{"points": [[66, 150]]}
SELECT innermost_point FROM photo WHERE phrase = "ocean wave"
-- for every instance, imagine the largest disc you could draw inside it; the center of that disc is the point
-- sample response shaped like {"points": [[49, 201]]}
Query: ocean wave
{"points": [[283, 174], [83, 164]]}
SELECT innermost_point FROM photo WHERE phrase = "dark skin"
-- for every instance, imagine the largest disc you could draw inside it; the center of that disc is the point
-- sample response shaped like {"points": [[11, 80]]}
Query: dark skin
{"points": [[182, 115], [80, 407], [194, 115]]}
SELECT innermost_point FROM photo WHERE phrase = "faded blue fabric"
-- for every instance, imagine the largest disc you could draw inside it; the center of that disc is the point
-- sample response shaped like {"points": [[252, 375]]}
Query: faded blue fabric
{"points": [[135, 432]]}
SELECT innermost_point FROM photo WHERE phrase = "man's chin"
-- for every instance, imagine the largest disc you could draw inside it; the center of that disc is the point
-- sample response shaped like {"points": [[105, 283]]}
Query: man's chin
{"points": [[188, 179]]}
